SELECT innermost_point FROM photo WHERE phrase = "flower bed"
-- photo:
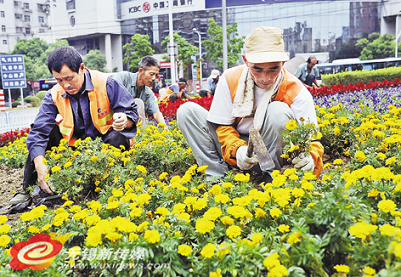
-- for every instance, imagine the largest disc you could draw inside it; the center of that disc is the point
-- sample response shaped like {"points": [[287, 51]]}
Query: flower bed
{"points": [[151, 212], [8, 137]]}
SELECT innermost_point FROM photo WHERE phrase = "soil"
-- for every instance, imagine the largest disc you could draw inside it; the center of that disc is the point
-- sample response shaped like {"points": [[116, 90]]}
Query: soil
{"points": [[10, 183]]}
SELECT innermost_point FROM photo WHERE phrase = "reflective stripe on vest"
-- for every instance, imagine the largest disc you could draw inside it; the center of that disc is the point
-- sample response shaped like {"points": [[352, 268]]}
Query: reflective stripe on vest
{"points": [[99, 103]]}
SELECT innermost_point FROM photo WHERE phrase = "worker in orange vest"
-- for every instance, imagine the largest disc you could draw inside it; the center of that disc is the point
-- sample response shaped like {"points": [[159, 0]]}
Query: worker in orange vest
{"points": [[84, 103], [259, 94]]}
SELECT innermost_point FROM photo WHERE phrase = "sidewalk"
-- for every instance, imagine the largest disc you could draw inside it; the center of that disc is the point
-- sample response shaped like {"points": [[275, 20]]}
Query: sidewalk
{"points": [[13, 119]]}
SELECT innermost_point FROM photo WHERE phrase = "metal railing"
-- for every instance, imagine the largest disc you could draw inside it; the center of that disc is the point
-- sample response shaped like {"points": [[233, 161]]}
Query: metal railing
{"points": [[17, 119]]}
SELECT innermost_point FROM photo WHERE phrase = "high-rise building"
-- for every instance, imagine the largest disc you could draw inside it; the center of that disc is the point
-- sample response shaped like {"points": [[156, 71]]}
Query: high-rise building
{"points": [[22, 19]]}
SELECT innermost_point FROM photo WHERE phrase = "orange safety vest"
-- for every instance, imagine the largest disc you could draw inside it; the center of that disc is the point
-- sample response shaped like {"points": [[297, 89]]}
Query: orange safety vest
{"points": [[290, 88], [101, 113]]}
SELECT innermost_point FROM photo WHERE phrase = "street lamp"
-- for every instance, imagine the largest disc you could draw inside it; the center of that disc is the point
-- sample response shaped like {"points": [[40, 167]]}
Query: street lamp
{"points": [[200, 56]]}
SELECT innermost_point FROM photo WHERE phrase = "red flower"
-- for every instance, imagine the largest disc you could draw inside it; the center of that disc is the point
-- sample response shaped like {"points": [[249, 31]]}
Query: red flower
{"points": [[38, 253]]}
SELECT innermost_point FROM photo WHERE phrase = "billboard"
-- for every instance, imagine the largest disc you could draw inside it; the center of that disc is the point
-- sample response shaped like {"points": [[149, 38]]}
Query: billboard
{"points": [[143, 8]]}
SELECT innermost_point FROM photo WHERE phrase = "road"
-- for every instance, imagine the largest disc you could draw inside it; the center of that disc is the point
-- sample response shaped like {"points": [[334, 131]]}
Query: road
{"points": [[19, 118]]}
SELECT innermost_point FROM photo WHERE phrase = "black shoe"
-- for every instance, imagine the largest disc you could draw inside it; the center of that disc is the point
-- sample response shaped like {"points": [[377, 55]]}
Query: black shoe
{"points": [[39, 197], [20, 202]]}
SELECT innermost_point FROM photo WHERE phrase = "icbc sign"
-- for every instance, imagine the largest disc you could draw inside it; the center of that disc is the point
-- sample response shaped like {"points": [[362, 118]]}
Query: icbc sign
{"points": [[146, 7]]}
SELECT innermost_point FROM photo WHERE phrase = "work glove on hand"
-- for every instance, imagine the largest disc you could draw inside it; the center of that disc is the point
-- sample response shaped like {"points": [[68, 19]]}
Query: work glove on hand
{"points": [[120, 121], [243, 161], [304, 162]]}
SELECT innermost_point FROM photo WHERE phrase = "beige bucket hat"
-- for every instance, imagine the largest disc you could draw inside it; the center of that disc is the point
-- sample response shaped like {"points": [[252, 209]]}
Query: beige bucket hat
{"points": [[265, 44]]}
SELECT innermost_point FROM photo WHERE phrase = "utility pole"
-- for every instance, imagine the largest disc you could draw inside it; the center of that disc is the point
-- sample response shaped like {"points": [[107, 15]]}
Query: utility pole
{"points": [[171, 46], [225, 48], [397, 34]]}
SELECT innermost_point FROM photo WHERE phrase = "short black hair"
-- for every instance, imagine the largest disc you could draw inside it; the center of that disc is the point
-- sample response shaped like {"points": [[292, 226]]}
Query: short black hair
{"points": [[149, 61], [182, 80], [68, 56]]}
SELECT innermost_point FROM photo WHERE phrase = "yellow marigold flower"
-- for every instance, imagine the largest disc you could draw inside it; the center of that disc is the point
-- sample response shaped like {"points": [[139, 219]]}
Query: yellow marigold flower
{"points": [[342, 268], [298, 193], [337, 131], [185, 250], [204, 226], [389, 230], [228, 185], [3, 219], [136, 212], [133, 237], [216, 273], [113, 236], [184, 217], [362, 230], [338, 162], [373, 193], [200, 204], [308, 186], [271, 261], [56, 169], [368, 271], [391, 161], [291, 125], [222, 198], [95, 206], [294, 238], [233, 231], [163, 176], [278, 271], [374, 218], [259, 213], [46, 227], [327, 166], [141, 169], [239, 212], [215, 190], [94, 159], [208, 251], [257, 238], [284, 228], [360, 156], [179, 208], [242, 178], [213, 213], [152, 236], [33, 230], [117, 192], [275, 213], [75, 209], [68, 203], [226, 220], [309, 176], [5, 229], [4, 241], [202, 169], [68, 164], [381, 156], [293, 148], [93, 239], [112, 205], [162, 211], [387, 206]]}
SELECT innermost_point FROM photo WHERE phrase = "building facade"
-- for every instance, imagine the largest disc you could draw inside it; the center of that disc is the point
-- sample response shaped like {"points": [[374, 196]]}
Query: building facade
{"points": [[22, 19]]}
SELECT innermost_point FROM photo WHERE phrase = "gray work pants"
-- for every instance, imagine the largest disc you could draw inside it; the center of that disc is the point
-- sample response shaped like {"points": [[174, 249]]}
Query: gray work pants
{"points": [[140, 106], [202, 137]]}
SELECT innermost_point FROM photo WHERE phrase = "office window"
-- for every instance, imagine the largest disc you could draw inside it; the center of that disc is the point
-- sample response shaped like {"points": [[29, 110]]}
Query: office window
{"points": [[41, 30], [1, 1], [18, 16], [4, 41], [27, 18], [26, 5], [41, 19], [2, 14], [18, 29], [3, 28], [27, 30], [17, 3]]}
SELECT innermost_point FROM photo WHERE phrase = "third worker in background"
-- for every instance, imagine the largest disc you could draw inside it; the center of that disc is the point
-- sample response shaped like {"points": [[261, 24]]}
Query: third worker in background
{"points": [[139, 86], [308, 73]]}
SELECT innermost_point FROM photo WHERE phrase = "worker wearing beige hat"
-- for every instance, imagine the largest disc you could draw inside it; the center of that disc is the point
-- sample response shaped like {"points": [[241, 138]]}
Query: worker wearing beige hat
{"points": [[259, 94]]}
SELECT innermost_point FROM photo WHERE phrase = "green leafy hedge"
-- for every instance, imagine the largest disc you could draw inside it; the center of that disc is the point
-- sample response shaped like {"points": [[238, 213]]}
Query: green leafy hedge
{"points": [[355, 77]]}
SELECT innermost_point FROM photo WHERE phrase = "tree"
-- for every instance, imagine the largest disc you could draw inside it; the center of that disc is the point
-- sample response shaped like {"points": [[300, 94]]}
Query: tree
{"points": [[135, 50], [95, 60], [185, 50], [214, 45], [35, 53], [377, 46]]}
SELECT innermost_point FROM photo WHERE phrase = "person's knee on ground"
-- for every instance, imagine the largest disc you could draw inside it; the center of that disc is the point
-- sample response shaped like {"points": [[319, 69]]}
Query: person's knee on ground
{"points": [[116, 139], [140, 106], [280, 114], [185, 112]]}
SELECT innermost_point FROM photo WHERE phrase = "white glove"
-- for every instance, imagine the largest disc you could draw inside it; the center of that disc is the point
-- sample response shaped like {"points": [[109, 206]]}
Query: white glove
{"points": [[304, 162], [120, 121], [243, 161]]}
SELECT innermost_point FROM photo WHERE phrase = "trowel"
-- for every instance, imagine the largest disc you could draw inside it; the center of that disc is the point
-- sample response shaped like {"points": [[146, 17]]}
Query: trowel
{"points": [[257, 146]]}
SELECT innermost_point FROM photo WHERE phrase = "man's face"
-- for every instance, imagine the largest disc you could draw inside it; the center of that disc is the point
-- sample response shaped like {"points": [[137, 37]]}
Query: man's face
{"points": [[148, 75], [313, 62], [69, 80], [264, 74]]}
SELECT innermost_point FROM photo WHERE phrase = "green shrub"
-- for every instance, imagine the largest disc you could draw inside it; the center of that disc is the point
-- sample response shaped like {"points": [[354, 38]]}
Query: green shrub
{"points": [[355, 77], [41, 94], [16, 104], [34, 100]]}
